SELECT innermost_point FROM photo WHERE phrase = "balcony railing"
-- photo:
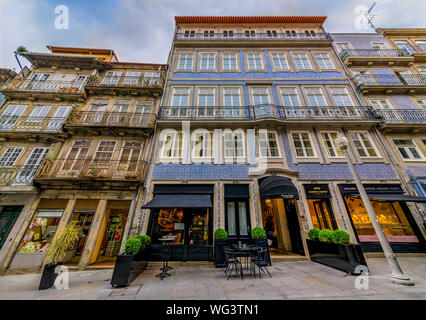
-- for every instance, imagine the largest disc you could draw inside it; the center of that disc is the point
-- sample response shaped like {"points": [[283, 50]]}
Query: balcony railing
{"points": [[265, 111], [56, 86], [402, 116], [114, 119], [389, 80], [83, 169], [17, 175], [373, 53], [126, 82], [253, 36], [30, 124]]}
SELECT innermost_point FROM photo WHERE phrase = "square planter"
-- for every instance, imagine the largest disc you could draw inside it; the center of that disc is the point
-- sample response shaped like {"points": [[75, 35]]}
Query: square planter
{"points": [[48, 276], [127, 269], [345, 257], [219, 256]]}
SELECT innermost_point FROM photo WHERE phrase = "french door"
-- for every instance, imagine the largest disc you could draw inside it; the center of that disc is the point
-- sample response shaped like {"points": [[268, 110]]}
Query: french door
{"points": [[25, 176], [10, 116], [237, 220], [59, 118]]}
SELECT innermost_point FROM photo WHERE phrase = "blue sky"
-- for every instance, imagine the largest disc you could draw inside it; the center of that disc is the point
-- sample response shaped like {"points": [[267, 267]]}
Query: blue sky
{"points": [[141, 30]]}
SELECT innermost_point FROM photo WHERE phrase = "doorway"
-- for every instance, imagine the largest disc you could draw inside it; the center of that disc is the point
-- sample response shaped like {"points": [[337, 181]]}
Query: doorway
{"points": [[83, 219], [237, 221], [8, 216]]}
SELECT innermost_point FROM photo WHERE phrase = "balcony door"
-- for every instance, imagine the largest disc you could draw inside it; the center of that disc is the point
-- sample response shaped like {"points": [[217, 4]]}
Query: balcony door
{"points": [[25, 176], [77, 156], [232, 103], [59, 118], [143, 113], [38, 81], [111, 77], [119, 112], [80, 82], [96, 112], [261, 102], [10, 116], [384, 109], [237, 221], [36, 117]]}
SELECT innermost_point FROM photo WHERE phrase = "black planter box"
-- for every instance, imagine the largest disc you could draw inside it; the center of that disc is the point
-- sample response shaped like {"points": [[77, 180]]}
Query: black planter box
{"points": [[219, 256], [48, 276], [345, 257], [127, 268]]}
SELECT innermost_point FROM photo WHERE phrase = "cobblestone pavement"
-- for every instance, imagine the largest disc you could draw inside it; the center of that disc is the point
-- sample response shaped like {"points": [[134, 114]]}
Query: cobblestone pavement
{"points": [[290, 280]]}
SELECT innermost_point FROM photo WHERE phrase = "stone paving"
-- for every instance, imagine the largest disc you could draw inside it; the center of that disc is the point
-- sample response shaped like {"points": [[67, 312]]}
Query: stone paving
{"points": [[291, 280]]}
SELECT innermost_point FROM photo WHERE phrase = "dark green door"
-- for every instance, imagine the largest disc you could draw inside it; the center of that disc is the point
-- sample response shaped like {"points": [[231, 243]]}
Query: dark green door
{"points": [[8, 216]]}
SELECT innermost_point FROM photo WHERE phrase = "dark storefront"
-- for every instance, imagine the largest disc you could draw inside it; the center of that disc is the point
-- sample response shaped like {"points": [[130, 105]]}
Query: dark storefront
{"points": [[318, 197], [392, 212], [185, 212]]}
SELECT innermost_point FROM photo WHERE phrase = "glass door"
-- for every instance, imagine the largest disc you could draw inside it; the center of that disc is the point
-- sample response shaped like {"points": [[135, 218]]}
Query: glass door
{"points": [[10, 116], [237, 221], [59, 118], [324, 215], [25, 176], [84, 220], [8, 216]]}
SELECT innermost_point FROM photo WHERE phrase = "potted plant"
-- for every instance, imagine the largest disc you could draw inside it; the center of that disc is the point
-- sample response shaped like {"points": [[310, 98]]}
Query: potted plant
{"points": [[258, 235], [145, 250], [332, 248], [55, 254], [127, 266], [220, 240]]}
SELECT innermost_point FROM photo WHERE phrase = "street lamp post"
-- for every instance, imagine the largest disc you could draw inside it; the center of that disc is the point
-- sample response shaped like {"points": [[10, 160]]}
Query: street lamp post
{"points": [[398, 275]]}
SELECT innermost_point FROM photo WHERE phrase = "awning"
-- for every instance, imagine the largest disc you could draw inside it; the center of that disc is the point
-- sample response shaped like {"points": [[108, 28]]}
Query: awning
{"points": [[278, 187], [165, 201], [397, 197]]}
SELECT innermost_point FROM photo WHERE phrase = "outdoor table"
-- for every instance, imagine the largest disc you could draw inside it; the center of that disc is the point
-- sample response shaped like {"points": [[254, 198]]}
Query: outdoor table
{"points": [[164, 270], [245, 252]]}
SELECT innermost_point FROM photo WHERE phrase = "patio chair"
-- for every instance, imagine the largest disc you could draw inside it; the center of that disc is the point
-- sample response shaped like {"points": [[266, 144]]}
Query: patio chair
{"points": [[259, 261], [231, 262]]}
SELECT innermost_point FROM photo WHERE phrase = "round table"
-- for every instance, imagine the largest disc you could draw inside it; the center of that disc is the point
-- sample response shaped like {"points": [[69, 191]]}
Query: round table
{"points": [[164, 270]]}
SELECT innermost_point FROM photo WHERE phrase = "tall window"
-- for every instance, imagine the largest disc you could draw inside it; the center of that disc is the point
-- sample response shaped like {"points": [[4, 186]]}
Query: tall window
{"points": [[119, 111], [364, 144], [111, 77], [180, 101], [302, 61], [172, 147], [303, 144], [132, 77], [38, 114], [280, 61], [203, 145], [9, 156], [341, 97], [315, 97], [254, 61], [421, 44], [232, 102], [324, 61], [10, 115], [408, 149], [234, 144], [422, 70], [268, 146], [207, 61], [342, 46], [206, 98], [77, 155], [260, 96], [421, 103], [290, 97], [229, 61], [130, 156], [104, 152], [329, 140], [185, 61]]}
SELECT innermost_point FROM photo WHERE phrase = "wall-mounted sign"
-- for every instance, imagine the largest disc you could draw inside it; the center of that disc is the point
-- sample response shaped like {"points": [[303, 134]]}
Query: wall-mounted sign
{"points": [[287, 196], [317, 191], [371, 188]]}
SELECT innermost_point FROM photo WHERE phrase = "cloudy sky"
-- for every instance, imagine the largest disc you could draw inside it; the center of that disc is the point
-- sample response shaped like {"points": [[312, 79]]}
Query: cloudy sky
{"points": [[141, 30]]}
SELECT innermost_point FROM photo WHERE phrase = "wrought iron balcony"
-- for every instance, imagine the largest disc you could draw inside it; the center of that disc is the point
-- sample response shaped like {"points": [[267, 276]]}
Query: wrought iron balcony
{"points": [[91, 170], [401, 116], [389, 80], [267, 111], [17, 175], [113, 119], [372, 53], [126, 82], [30, 124], [46, 86], [252, 36]]}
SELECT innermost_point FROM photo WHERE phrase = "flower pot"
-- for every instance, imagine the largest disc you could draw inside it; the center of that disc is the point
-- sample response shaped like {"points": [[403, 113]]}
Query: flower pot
{"points": [[126, 270], [219, 256], [48, 276]]}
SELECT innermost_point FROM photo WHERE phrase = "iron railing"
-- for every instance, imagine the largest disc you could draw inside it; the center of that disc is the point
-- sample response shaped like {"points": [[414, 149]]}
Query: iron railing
{"points": [[17, 175], [402, 116], [92, 169], [373, 53], [57, 86], [114, 119], [389, 80], [126, 81], [252, 36], [30, 124], [265, 111]]}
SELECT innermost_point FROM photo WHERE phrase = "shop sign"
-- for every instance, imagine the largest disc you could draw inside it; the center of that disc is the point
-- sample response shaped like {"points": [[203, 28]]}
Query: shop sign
{"points": [[390, 238], [317, 191], [287, 196], [371, 188]]}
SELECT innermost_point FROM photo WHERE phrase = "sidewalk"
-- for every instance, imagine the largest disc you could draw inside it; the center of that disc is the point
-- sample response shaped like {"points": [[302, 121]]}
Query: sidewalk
{"points": [[291, 280]]}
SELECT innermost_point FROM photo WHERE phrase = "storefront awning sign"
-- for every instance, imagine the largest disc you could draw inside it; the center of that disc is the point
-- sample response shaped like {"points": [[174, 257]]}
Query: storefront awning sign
{"points": [[278, 187], [164, 201]]}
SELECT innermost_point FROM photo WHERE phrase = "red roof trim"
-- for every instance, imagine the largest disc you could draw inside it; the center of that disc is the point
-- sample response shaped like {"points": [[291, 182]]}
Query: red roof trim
{"points": [[249, 19]]}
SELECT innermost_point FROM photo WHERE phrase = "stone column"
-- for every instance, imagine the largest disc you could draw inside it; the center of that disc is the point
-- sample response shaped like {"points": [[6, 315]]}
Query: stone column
{"points": [[93, 235], [66, 216]]}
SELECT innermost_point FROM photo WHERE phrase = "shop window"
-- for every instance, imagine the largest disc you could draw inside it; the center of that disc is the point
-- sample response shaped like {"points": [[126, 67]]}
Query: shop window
{"points": [[321, 214], [41, 231], [390, 215]]}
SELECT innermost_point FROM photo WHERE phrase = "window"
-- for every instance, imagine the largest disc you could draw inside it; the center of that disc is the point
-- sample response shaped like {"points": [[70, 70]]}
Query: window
{"points": [[203, 145], [290, 97], [111, 77], [234, 144], [31, 165], [97, 110], [254, 61], [180, 101], [260, 96], [207, 61], [10, 115], [380, 104], [324, 61], [421, 44], [232, 102], [310, 33], [408, 149], [302, 61], [342, 46], [189, 34], [422, 70], [119, 112], [271, 33], [303, 145], [185, 61], [280, 61], [291, 34], [229, 61], [421, 103], [77, 155], [404, 45], [315, 97], [206, 102], [38, 113], [131, 77], [208, 33], [378, 45], [10, 156], [329, 139], [228, 33], [130, 156], [143, 113], [172, 147], [364, 145], [104, 152], [250, 33], [268, 146], [237, 218], [341, 97]]}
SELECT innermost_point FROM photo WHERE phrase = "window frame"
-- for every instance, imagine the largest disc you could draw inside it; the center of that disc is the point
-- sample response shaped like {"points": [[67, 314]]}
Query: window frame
{"points": [[235, 157], [200, 63], [330, 59], [419, 151], [287, 59], [299, 132], [237, 63], [370, 139], [334, 147], [192, 54], [13, 152], [262, 60], [176, 137], [205, 145], [311, 64], [269, 145]]}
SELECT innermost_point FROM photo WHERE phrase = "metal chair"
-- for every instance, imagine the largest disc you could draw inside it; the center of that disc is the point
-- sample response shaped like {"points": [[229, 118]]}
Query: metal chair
{"points": [[231, 262], [259, 261]]}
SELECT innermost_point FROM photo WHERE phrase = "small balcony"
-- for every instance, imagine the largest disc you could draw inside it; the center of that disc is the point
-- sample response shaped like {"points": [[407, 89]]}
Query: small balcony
{"points": [[390, 83], [17, 175], [47, 89], [402, 118], [126, 85], [88, 173], [376, 57]]}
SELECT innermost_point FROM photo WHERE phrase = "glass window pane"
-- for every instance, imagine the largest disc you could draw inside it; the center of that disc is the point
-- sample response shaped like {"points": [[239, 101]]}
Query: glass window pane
{"points": [[232, 230]]}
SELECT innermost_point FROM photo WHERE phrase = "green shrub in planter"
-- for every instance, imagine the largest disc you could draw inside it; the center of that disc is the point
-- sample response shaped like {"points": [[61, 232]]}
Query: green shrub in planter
{"points": [[133, 245], [258, 233], [313, 234], [145, 240], [325, 235], [220, 234], [340, 237]]}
